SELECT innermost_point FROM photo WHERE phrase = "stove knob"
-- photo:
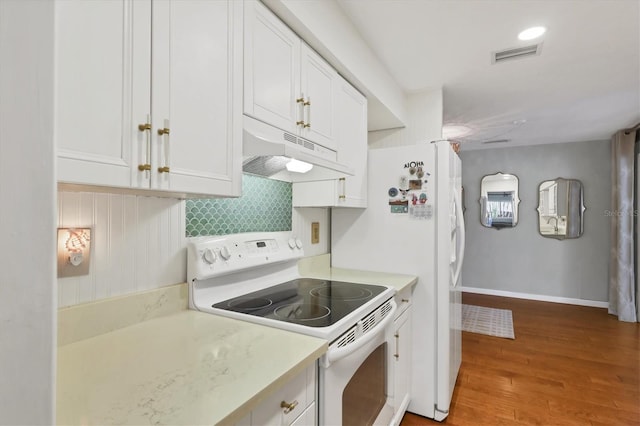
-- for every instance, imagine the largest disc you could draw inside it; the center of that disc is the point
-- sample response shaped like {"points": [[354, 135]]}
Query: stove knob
{"points": [[225, 253], [209, 256], [292, 243], [299, 243]]}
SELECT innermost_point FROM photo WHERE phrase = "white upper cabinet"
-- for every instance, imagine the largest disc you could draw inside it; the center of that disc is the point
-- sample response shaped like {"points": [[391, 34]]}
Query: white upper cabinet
{"points": [[286, 84], [168, 120], [196, 105], [318, 86], [102, 88], [350, 118], [272, 69]]}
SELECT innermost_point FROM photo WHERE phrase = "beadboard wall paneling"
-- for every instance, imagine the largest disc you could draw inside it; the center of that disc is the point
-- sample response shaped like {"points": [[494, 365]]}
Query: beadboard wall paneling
{"points": [[138, 243]]}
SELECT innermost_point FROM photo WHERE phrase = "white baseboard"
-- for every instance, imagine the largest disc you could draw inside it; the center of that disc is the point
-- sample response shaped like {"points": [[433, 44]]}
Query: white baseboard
{"points": [[538, 297]]}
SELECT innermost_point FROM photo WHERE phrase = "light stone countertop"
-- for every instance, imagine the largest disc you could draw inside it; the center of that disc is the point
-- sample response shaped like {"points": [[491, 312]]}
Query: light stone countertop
{"points": [[186, 368], [319, 267], [146, 359]]}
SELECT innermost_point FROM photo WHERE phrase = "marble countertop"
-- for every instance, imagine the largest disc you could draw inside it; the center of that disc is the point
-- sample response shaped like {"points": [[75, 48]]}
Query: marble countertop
{"points": [[146, 359], [319, 267], [186, 368]]}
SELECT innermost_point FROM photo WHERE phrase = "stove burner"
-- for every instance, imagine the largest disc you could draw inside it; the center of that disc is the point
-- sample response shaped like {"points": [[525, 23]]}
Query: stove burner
{"points": [[342, 292], [249, 303], [302, 312]]}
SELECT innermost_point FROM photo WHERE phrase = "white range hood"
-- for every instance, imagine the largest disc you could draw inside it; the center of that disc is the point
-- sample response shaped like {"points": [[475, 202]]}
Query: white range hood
{"points": [[267, 150]]}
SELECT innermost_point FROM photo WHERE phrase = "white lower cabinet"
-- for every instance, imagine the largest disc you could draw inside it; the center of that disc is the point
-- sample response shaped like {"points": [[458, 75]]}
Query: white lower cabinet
{"points": [[292, 404], [400, 356]]}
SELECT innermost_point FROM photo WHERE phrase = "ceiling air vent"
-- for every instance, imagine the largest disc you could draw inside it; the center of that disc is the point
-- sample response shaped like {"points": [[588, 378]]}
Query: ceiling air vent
{"points": [[516, 52]]}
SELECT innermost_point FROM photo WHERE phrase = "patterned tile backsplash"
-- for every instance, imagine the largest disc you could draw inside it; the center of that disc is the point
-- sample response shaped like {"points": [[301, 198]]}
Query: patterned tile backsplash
{"points": [[265, 205]]}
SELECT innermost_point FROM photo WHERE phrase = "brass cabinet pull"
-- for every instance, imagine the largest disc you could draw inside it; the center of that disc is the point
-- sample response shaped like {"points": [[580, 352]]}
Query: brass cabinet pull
{"points": [[299, 123], [146, 127], [164, 133], [299, 100], [288, 406], [307, 103], [405, 300], [343, 196]]}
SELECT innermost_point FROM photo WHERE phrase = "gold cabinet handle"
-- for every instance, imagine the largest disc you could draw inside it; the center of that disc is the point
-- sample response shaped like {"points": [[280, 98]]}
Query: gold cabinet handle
{"points": [[146, 127], [343, 196], [288, 406], [164, 134], [405, 300], [307, 103], [300, 100], [300, 123]]}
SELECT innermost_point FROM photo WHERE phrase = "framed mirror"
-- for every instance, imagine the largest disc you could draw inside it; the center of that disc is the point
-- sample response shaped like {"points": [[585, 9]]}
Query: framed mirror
{"points": [[561, 208], [499, 201]]}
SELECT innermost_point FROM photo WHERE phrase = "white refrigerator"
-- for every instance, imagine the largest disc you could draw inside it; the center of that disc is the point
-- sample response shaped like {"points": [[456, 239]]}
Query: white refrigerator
{"points": [[414, 225]]}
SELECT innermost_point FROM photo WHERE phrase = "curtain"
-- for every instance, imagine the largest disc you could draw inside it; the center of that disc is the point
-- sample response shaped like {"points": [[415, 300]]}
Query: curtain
{"points": [[621, 265]]}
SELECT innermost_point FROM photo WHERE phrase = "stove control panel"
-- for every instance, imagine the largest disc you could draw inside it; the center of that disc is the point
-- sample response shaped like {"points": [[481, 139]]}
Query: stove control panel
{"points": [[220, 255]]}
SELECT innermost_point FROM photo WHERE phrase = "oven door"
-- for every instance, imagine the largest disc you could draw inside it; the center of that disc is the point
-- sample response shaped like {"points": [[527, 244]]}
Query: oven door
{"points": [[353, 376]]}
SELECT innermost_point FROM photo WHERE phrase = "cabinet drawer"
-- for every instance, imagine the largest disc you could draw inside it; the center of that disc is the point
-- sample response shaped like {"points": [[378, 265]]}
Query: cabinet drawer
{"points": [[299, 392], [403, 300]]}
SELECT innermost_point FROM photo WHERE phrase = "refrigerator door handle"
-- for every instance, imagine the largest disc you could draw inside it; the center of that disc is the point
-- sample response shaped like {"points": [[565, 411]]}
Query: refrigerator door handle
{"points": [[461, 237]]}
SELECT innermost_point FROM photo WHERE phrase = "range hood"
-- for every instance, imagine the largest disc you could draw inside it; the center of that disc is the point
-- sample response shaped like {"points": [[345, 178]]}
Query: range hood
{"points": [[267, 150]]}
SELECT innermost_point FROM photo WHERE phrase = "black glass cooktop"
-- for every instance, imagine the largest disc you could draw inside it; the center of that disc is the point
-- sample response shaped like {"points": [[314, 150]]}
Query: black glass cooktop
{"points": [[305, 301]]}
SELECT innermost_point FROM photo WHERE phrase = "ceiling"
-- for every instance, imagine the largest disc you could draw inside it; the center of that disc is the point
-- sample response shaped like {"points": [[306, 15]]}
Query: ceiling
{"points": [[583, 86]]}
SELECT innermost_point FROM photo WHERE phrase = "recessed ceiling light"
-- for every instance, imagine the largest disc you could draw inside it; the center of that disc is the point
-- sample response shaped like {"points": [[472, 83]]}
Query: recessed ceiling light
{"points": [[531, 33], [455, 131]]}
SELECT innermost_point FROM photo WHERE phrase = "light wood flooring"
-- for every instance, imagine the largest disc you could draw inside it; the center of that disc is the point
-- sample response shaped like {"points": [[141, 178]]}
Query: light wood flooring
{"points": [[568, 365]]}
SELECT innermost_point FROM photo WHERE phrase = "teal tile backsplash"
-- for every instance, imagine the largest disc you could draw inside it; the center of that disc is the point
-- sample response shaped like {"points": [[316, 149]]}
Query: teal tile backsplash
{"points": [[265, 205]]}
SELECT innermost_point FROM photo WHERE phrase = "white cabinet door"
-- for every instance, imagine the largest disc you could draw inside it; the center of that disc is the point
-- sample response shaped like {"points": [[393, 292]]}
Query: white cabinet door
{"points": [[110, 133], [351, 132], [196, 92], [401, 363], [102, 90], [272, 69], [318, 84], [350, 118]]}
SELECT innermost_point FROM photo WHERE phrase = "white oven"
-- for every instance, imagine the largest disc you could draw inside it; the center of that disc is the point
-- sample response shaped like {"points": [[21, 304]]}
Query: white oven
{"points": [[254, 277], [353, 374]]}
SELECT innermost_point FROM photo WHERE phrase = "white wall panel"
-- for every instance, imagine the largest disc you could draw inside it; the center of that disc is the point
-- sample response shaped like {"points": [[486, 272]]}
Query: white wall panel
{"points": [[137, 244], [301, 226]]}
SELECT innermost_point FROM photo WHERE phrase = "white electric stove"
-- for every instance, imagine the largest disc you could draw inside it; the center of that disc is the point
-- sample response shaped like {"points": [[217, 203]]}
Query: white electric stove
{"points": [[254, 277]]}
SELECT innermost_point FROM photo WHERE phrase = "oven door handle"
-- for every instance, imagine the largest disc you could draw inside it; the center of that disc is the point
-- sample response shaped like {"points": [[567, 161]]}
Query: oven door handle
{"points": [[334, 354]]}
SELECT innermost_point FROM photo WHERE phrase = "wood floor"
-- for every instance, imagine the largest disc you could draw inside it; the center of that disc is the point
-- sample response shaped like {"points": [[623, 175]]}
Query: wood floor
{"points": [[568, 365]]}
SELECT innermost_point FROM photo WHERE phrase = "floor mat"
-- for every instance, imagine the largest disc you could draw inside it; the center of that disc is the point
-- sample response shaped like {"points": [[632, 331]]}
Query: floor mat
{"points": [[490, 321]]}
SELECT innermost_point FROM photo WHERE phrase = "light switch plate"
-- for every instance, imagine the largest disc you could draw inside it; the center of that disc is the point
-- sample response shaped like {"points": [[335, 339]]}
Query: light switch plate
{"points": [[315, 232]]}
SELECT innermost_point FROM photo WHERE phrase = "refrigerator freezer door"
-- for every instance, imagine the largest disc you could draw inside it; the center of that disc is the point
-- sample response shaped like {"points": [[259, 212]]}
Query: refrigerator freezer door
{"points": [[450, 243]]}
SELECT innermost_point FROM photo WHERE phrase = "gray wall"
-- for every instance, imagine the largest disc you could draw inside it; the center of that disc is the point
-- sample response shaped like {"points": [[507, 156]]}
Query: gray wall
{"points": [[519, 259]]}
